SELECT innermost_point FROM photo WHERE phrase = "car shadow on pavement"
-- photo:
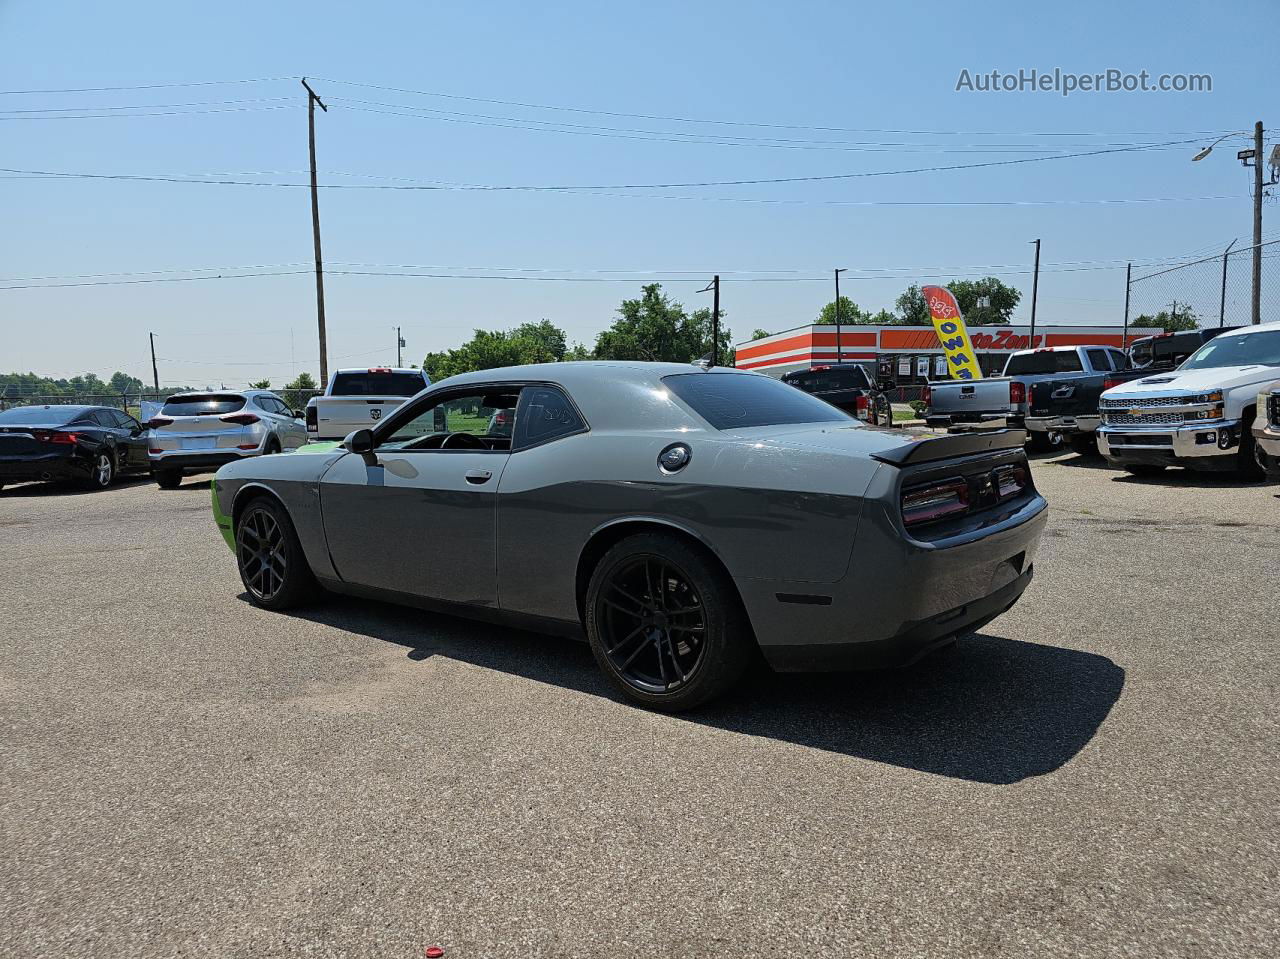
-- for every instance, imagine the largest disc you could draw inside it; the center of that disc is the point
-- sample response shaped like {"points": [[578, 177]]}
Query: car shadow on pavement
{"points": [[67, 488], [986, 709]]}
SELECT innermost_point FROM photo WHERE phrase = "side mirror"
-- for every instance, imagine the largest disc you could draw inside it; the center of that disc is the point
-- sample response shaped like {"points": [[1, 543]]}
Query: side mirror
{"points": [[299, 415], [359, 441]]}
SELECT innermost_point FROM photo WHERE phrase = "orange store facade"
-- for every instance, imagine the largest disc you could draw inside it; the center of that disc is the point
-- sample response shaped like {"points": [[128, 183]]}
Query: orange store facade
{"points": [[908, 354]]}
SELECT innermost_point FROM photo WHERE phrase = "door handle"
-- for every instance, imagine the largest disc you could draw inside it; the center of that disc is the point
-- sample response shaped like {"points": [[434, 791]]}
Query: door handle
{"points": [[477, 477]]}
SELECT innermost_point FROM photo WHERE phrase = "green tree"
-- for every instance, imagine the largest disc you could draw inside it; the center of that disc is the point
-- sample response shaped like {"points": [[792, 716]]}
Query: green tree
{"points": [[656, 328], [541, 342], [124, 383], [1002, 300], [913, 309], [577, 353], [883, 318], [760, 334], [260, 385], [850, 313], [1184, 319], [301, 389]]}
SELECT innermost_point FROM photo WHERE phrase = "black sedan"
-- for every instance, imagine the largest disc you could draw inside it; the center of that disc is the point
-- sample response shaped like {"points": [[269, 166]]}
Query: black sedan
{"points": [[91, 445]]}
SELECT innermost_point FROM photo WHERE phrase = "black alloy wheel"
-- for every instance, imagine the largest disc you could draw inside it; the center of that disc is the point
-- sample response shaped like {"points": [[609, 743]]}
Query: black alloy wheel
{"points": [[272, 565], [665, 623]]}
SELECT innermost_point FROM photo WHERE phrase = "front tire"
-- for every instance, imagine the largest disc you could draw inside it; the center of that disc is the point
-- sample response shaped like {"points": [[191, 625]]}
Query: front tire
{"points": [[665, 623], [270, 558], [168, 479], [1249, 465], [1085, 444]]}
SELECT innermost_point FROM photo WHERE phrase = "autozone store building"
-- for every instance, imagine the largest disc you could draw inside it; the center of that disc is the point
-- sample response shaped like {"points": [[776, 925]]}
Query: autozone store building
{"points": [[908, 355]]}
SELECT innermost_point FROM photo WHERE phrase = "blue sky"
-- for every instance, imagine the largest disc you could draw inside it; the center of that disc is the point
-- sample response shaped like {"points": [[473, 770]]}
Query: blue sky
{"points": [[857, 67]]}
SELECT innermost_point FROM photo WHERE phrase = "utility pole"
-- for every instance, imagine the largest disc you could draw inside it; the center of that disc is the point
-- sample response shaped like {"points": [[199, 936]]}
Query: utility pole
{"points": [[1035, 291], [399, 346], [155, 373], [1256, 306], [312, 100], [1128, 282], [714, 288], [1222, 305], [839, 348]]}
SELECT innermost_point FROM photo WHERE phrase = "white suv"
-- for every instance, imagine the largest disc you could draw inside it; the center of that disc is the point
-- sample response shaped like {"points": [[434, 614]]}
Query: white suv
{"points": [[198, 432]]}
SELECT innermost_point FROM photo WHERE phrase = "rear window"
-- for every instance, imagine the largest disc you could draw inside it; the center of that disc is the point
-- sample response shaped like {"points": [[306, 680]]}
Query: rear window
{"points": [[203, 404], [40, 415], [829, 381], [732, 400], [1048, 362], [377, 383]]}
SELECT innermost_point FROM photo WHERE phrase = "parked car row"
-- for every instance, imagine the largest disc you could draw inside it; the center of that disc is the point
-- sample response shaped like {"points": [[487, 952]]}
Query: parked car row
{"points": [[1196, 403]]}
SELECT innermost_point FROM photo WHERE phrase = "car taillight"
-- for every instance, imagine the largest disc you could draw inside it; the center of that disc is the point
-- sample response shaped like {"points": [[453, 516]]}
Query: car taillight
{"points": [[926, 396], [53, 436], [242, 419], [862, 404], [1110, 382], [935, 501], [1010, 481], [312, 425], [157, 421], [1017, 393]]}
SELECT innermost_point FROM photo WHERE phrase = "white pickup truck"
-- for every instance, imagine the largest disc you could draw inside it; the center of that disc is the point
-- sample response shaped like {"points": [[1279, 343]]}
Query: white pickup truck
{"points": [[355, 399], [1200, 415]]}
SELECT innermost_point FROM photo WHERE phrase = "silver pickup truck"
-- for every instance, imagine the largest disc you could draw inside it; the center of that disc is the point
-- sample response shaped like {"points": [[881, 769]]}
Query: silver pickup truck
{"points": [[1005, 400]]}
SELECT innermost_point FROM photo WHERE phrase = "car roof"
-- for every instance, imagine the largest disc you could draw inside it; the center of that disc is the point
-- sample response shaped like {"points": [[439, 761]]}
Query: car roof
{"points": [[1246, 330], [378, 369], [583, 371]]}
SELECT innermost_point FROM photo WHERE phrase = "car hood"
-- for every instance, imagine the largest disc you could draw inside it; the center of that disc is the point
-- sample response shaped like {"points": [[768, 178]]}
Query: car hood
{"points": [[1194, 381]]}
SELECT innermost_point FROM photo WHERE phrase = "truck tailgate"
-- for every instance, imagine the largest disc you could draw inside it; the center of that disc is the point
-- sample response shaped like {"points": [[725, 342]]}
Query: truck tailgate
{"points": [[959, 397], [1067, 397], [339, 415]]}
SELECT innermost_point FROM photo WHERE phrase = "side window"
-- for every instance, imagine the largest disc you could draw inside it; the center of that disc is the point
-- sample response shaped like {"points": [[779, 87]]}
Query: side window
{"points": [[264, 403], [104, 418], [277, 406], [1099, 360], [124, 421], [545, 414], [472, 421], [1119, 360]]}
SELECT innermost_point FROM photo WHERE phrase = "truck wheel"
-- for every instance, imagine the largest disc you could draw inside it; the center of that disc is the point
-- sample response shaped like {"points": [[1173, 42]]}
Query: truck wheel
{"points": [[1145, 469], [168, 479], [1046, 442], [1085, 444], [1249, 466]]}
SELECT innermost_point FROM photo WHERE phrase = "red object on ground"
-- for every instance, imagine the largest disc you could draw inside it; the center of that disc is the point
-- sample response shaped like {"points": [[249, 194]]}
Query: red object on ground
{"points": [[434, 952]]}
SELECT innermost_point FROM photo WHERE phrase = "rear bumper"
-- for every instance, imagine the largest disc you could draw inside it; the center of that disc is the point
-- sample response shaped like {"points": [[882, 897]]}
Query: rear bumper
{"points": [[1267, 439], [1204, 446], [901, 596], [1064, 424], [975, 420], [52, 466], [198, 462]]}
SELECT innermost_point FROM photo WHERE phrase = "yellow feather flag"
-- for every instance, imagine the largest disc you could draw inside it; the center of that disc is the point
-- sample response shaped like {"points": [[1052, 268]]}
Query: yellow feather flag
{"points": [[949, 325]]}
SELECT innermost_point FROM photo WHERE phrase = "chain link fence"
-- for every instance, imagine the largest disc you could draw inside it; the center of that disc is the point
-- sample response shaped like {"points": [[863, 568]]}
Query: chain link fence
{"points": [[1213, 291]]}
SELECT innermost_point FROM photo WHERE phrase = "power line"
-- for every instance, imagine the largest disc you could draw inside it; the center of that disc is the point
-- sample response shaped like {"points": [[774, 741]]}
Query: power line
{"points": [[746, 123], [148, 86], [159, 113], [168, 279], [815, 178], [147, 106]]}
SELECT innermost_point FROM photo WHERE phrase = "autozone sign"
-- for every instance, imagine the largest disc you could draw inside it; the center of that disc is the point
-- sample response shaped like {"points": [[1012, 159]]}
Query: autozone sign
{"points": [[1005, 340]]}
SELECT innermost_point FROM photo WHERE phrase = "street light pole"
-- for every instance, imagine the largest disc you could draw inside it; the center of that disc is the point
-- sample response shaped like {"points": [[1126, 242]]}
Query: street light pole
{"points": [[839, 345], [1256, 306], [1035, 291]]}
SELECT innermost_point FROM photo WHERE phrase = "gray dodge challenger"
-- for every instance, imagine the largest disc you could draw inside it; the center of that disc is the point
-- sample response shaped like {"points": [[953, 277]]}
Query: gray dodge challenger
{"points": [[685, 520]]}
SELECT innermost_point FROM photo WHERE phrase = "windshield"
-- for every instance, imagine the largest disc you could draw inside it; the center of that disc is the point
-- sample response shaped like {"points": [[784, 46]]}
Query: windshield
{"points": [[203, 404], [40, 415], [1251, 349], [733, 400], [377, 383], [1043, 362]]}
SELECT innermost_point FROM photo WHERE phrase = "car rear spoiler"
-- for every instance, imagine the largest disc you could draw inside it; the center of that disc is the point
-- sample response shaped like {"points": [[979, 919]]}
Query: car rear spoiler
{"points": [[928, 448]]}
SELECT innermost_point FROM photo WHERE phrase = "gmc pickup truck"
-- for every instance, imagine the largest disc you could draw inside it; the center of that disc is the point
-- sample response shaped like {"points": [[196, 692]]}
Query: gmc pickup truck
{"points": [[1200, 415], [1005, 400], [1266, 432], [358, 399], [1070, 406]]}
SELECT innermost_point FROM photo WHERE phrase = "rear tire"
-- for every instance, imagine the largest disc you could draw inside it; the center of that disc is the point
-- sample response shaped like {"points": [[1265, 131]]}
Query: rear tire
{"points": [[273, 446], [1249, 465], [665, 623], [103, 471], [1046, 442], [1145, 469], [272, 565], [168, 479]]}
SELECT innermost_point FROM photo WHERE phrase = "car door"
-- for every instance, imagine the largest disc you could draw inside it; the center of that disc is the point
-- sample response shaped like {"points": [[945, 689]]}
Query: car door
{"points": [[294, 429], [131, 438], [418, 514]]}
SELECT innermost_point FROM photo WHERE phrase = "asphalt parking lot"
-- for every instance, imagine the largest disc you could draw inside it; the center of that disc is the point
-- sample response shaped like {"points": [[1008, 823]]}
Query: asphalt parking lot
{"points": [[1096, 774]]}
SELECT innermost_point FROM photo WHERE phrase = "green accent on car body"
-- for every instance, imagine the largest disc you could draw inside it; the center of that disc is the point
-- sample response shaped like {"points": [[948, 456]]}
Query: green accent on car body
{"points": [[222, 519], [325, 446]]}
